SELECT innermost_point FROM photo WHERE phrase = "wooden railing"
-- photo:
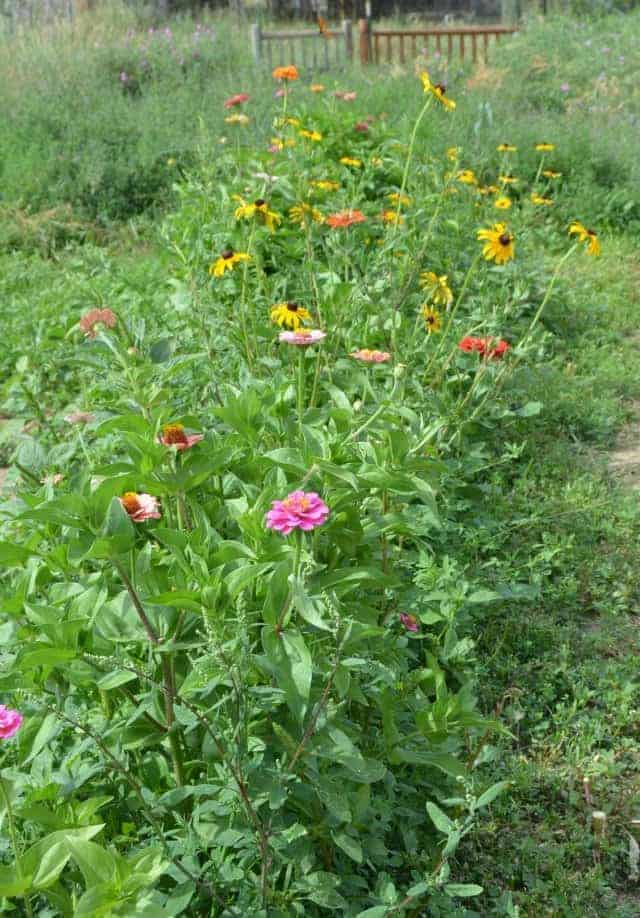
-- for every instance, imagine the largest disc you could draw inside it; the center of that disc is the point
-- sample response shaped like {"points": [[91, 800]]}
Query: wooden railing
{"points": [[304, 47], [377, 45]]}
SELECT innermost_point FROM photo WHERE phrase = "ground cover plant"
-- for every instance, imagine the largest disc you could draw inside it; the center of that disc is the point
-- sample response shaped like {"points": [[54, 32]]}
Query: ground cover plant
{"points": [[270, 540]]}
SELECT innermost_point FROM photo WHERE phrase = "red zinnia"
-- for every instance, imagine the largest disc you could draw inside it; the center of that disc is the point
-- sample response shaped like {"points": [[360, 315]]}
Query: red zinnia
{"points": [[345, 218], [95, 317], [491, 348], [238, 99]]}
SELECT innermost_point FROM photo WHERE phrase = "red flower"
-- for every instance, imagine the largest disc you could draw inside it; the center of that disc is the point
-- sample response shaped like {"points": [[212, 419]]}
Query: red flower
{"points": [[362, 127], [238, 99], [95, 317], [345, 218], [491, 348]]}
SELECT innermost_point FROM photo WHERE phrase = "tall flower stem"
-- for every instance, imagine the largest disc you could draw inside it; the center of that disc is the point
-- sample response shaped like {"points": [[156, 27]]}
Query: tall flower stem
{"points": [[167, 674], [300, 397], [295, 573], [14, 843], [407, 165], [445, 334], [243, 301]]}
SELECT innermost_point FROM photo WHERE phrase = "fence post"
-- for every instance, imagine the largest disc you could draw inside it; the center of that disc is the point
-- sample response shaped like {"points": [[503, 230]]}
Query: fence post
{"points": [[256, 41], [365, 40], [348, 39]]}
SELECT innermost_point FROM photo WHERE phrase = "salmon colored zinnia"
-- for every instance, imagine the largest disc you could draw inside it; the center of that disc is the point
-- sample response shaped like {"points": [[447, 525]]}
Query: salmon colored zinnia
{"points": [[175, 435], [367, 356], [289, 72], [491, 348], [345, 218]]}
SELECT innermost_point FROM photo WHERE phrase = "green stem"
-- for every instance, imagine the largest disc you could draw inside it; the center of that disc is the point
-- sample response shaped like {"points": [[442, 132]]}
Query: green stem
{"points": [[405, 174], [14, 843], [301, 380]]}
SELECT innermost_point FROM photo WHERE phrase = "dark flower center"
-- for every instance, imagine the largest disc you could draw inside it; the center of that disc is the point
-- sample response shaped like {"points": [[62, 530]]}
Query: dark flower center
{"points": [[430, 320], [260, 202], [505, 239], [227, 254], [292, 307], [591, 233], [441, 89]]}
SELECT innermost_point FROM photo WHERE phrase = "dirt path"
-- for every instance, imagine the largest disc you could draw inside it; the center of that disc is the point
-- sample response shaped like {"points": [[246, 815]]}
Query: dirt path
{"points": [[624, 459]]}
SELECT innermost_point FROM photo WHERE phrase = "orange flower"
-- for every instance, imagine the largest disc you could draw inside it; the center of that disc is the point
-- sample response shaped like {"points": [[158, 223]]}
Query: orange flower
{"points": [[345, 218], [286, 73]]}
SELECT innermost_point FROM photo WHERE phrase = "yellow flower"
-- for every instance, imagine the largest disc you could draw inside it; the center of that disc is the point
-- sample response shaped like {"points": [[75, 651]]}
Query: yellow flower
{"points": [[508, 180], [260, 210], [289, 314], [391, 216], [294, 122], [437, 90], [467, 177], [376, 161], [171, 161], [237, 118], [439, 290], [311, 135], [545, 147], [349, 161], [280, 144], [432, 319], [499, 244], [396, 198], [453, 154], [316, 87], [538, 199], [549, 173], [227, 262], [586, 235], [488, 189], [506, 148], [324, 184], [303, 213], [502, 203]]}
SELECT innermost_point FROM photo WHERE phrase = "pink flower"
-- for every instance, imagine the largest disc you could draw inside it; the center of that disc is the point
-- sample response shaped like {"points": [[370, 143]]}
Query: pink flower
{"points": [[140, 507], [176, 436], [79, 417], [9, 722], [237, 99], [362, 127], [95, 317], [302, 337], [368, 356], [297, 511], [410, 622]]}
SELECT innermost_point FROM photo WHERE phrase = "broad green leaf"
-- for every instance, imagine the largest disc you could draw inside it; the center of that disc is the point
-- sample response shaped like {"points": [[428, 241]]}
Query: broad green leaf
{"points": [[118, 529], [350, 845], [44, 656], [10, 885], [440, 820], [11, 554], [491, 793], [96, 864], [463, 890], [115, 679], [307, 606], [292, 666]]}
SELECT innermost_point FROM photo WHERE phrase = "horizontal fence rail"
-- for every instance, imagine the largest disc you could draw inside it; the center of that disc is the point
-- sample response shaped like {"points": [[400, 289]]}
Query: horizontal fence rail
{"points": [[388, 45], [303, 47]]}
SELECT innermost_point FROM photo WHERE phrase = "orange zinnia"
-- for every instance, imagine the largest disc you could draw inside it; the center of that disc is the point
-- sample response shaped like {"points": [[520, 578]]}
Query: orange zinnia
{"points": [[345, 218], [286, 73]]}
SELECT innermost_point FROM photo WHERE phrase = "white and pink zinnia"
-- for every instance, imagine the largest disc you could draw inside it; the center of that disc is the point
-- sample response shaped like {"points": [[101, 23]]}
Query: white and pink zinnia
{"points": [[140, 507]]}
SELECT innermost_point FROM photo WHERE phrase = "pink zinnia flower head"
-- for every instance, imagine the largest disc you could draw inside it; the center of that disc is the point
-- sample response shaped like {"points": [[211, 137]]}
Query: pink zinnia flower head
{"points": [[140, 507], [175, 435], [95, 317], [368, 356], [297, 511], [79, 417], [302, 337], [10, 722], [410, 622], [237, 99]]}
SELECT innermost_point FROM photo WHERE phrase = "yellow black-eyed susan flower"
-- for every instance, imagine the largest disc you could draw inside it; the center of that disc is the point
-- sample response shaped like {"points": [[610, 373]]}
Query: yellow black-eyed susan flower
{"points": [[351, 161], [316, 136], [508, 179], [499, 244], [260, 210], [437, 286], [545, 147], [289, 315], [324, 184], [304, 214], [551, 173], [586, 235], [432, 319], [540, 200], [453, 154], [437, 90], [396, 198], [506, 148], [227, 262], [467, 177]]}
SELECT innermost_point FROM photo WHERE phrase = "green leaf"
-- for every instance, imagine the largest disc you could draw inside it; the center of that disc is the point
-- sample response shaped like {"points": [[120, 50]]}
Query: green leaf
{"points": [[45, 656], [46, 860], [440, 820], [178, 599], [118, 529], [160, 351], [10, 884], [242, 577], [463, 890], [307, 606], [350, 845], [481, 596], [95, 862], [378, 911], [11, 554], [115, 679], [491, 793], [292, 666]]}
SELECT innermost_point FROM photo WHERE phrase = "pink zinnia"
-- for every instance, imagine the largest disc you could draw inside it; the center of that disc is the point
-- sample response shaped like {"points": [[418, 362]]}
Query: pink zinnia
{"points": [[237, 99], [368, 356], [410, 622], [297, 511], [10, 721], [79, 417], [95, 317], [302, 337], [176, 436], [140, 507]]}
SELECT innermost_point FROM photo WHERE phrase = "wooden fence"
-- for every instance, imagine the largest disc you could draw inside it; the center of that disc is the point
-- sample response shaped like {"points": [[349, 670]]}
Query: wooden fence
{"points": [[305, 47], [389, 44]]}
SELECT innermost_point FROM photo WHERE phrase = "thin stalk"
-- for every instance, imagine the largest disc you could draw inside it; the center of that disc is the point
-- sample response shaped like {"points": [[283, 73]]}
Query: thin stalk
{"points": [[301, 381], [14, 844], [405, 174], [376, 414]]}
